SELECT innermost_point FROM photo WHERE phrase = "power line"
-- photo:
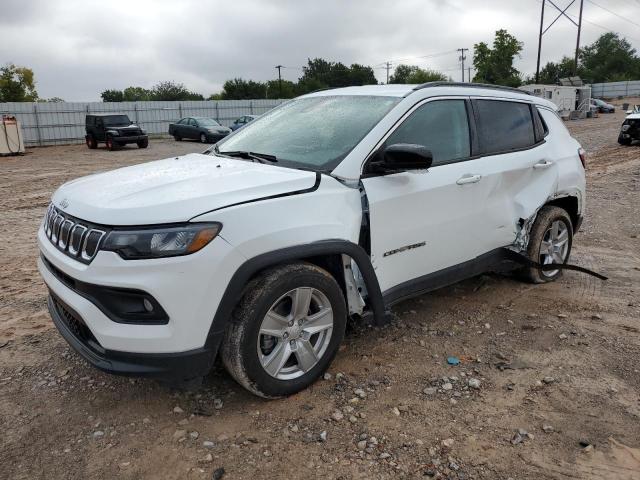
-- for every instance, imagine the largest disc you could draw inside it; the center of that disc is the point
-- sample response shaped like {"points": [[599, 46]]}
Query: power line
{"points": [[431, 55], [614, 13]]}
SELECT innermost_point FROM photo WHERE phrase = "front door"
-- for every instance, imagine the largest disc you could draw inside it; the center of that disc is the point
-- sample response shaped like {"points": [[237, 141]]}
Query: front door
{"points": [[425, 221]]}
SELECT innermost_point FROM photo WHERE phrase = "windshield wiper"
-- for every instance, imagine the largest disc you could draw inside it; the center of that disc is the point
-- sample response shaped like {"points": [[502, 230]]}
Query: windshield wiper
{"points": [[257, 157]]}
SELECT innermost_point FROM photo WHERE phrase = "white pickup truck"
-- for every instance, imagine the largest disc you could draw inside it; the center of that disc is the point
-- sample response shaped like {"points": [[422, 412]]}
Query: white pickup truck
{"points": [[336, 204]]}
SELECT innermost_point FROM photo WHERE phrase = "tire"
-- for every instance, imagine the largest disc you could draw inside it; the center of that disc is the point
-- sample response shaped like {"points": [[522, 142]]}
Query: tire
{"points": [[624, 141], [203, 138], [543, 230], [91, 142], [111, 145], [177, 138], [143, 143], [247, 352]]}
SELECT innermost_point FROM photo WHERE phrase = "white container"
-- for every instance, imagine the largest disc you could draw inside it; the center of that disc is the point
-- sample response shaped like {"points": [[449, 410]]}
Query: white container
{"points": [[11, 140]]}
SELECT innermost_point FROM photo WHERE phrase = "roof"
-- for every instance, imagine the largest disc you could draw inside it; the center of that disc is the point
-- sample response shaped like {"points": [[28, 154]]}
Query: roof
{"points": [[433, 89]]}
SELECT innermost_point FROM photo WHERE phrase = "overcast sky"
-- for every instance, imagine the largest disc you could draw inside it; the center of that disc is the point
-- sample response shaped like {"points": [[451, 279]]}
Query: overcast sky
{"points": [[78, 48]]}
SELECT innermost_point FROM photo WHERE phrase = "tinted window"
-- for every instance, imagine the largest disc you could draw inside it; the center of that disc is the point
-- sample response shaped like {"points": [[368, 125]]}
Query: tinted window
{"points": [[504, 126], [192, 122], [116, 120], [441, 126]]}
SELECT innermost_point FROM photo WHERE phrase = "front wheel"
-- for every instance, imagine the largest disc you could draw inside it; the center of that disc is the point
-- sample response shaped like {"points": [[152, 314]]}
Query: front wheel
{"points": [[143, 143], [285, 331], [624, 141], [110, 144], [550, 241]]}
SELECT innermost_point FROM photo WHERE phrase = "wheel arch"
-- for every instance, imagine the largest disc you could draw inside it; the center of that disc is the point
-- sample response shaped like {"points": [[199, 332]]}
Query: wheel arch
{"points": [[571, 205], [325, 254]]}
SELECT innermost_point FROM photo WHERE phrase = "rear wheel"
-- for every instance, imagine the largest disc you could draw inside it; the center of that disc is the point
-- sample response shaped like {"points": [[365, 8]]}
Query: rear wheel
{"points": [[92, 143], [143, 143], [177, 138], [285, 331], [550, 241], [203, 138]]}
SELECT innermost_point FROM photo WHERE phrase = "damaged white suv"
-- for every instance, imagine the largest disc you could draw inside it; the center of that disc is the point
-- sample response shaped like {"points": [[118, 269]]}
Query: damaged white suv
{"points": [[335, 204]]}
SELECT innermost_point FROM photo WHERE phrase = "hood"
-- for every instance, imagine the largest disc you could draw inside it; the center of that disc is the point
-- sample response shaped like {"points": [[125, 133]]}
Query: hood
{"points": [[633, 116], [175, 189]]}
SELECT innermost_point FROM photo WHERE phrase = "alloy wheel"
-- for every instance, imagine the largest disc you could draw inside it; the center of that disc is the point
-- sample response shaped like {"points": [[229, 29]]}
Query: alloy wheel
{"points": [[295, 333], [555, 246]]}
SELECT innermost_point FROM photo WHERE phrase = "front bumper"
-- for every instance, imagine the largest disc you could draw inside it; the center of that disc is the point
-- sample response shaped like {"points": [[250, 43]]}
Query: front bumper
{"points": [[214, 137], [188, 288], [133, 139], [167, 366]]}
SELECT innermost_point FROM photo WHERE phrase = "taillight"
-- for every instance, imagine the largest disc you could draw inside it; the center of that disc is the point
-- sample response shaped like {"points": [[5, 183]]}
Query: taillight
{"points": [[583, 157]]}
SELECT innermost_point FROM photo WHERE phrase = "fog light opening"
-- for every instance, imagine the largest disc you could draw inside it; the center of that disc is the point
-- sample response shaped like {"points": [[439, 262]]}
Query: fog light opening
{"points": [[148, 306]]}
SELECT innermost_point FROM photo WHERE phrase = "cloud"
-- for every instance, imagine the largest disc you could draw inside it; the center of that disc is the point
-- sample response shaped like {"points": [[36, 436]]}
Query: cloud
{"points": [[79, 48]]}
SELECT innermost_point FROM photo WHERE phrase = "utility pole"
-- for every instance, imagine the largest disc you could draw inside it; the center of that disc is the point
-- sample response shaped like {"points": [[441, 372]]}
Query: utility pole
{"points": [[540, 41], [388, 67], [462, 59], [469, 74], [279, 81], [575, 62]]}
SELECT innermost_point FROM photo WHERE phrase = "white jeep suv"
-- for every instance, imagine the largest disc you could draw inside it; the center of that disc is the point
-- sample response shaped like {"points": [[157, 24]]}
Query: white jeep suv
{"points": [[335, 204]]}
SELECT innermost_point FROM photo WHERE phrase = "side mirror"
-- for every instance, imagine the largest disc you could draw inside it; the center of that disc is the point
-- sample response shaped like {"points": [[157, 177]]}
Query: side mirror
{"points": [[403, 156]]}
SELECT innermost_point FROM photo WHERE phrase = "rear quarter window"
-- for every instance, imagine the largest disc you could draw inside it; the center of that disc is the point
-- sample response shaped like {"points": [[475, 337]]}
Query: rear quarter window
{"points": [[504, 126]]}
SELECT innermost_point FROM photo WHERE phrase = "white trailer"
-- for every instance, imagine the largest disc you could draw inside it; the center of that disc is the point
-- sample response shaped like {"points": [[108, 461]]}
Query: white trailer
{"points": [[572, 101]]}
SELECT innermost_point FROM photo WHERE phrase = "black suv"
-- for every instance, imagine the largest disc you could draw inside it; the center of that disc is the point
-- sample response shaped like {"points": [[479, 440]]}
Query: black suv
{"points": [[114, 130]]}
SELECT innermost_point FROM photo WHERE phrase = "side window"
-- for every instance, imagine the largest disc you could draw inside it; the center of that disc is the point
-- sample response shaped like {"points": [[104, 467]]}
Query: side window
{"points": [[504, 126], [184, 121], [441, 126], [192, 122]]}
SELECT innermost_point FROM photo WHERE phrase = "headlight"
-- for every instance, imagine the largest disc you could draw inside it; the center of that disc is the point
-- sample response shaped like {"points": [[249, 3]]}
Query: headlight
{"points": [[144, 132], [161, 242], [626, 127], [113, 132]]}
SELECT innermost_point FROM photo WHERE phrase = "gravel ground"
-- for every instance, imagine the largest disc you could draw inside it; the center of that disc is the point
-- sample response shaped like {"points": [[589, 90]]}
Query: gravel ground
{"points": [[548, 384]]}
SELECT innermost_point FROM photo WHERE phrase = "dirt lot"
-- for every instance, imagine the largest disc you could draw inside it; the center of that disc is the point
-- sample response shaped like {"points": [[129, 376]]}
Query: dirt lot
{"points": [[571, 351]]}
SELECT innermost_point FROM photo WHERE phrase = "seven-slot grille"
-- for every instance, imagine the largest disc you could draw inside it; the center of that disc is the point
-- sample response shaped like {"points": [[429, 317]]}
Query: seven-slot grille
{"points": [[78, 239]]}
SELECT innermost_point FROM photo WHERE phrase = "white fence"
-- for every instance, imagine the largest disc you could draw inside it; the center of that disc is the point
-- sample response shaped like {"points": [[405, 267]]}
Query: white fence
{"points": [[629, 88], [60, 123]]}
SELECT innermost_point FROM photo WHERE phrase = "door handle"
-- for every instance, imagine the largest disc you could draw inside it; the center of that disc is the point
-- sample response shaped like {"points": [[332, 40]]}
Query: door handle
{"points": [[468, 179], [543, 164]]}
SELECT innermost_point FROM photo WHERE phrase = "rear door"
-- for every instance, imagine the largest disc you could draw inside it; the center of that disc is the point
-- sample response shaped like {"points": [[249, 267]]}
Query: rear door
{"points": [[511, 135]]}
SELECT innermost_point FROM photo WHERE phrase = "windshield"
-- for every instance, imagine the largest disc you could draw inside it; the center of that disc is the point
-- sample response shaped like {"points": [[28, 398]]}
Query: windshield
{"points": [[207, 122], [314, 133], [114, 120]]}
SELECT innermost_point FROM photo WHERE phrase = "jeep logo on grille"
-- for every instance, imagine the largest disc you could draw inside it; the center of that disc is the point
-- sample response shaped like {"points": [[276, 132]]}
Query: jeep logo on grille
{"points": [[64, 203]]}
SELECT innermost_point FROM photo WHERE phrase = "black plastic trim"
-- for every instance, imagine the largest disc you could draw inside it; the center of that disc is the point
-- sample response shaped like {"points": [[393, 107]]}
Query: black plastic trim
{"points": [[247, 270], [114, 302], [443, 278], [164, 366], [470, 85], [313, 188]]}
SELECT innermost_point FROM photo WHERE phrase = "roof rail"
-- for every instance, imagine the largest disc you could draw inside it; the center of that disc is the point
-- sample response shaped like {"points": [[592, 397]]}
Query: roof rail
{"points": [[469, 85]]}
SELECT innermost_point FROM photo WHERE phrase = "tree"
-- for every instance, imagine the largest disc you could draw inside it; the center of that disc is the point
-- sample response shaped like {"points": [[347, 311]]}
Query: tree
{"points": [[278, 89], [51, 100], [609, 59], [495, 65], [334, 74], [552, 72], [414, 74], [240, 89], [112, 96], [136, 94], [172, 91], [17, 84]]}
